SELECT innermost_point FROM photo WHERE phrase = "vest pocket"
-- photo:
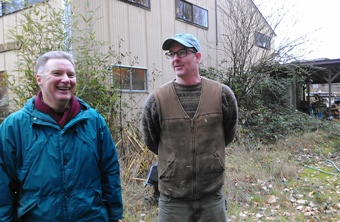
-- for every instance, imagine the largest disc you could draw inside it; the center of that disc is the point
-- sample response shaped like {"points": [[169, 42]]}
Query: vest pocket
{"points": [[167, 171], [212, 165]]}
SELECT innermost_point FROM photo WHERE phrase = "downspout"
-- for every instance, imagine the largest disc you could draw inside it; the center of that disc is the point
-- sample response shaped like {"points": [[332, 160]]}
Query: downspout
{"points": [[66, 6], [216, 22]]}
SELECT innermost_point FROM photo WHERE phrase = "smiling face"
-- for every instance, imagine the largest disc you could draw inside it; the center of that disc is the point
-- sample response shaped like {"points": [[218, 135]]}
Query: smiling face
{"points": [[185, 68], [57, 83]]}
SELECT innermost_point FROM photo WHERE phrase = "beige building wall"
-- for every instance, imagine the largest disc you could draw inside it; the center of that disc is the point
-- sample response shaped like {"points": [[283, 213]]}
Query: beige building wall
{"points": [[141, 32], [8, 58], [138, 33]]}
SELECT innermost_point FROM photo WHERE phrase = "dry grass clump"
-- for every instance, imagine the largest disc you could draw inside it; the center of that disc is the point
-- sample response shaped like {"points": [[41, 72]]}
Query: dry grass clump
{"points": [[135, 162]]}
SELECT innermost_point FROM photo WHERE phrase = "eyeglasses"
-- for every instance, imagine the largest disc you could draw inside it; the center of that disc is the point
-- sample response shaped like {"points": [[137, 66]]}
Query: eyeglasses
{"points": [[180, 53]]}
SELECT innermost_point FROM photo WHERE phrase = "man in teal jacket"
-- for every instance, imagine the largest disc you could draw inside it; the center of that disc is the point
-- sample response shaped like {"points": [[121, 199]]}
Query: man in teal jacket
{"points": [[58, 161]]}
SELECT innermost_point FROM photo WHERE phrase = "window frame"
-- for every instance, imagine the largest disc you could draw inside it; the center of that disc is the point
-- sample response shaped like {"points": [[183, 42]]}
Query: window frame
{"points": [[262, 40], [3, 89], [148, 6], [24, 4], [192, 17], [129, 69]]}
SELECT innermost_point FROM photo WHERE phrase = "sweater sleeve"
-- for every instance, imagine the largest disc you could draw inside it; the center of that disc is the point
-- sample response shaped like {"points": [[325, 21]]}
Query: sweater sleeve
{"points": [[230, 114], [150, 124]]}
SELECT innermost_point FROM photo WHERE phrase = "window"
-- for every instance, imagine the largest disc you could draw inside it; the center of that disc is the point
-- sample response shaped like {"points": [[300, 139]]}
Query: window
{"points": [[32, 2], [3, 91], [262, 40], [191, 13], [10, 6], [130, 78], [142, 3]]}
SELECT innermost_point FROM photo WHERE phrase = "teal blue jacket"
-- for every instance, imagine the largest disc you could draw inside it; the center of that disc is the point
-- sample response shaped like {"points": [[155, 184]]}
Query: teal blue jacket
{"points": [[62, 174]]}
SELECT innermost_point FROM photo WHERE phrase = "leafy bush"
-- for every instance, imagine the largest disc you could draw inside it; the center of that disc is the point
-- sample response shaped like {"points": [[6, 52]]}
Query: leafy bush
{"points": [[264, 115], [44, 28]]}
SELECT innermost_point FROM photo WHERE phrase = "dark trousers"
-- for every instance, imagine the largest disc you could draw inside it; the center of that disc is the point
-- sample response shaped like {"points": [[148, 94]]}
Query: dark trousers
{"points": [[209, 208]]}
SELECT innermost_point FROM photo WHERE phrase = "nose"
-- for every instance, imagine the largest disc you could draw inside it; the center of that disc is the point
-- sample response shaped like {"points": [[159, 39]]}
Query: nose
{"points": [[65, 78], [176, 57]]}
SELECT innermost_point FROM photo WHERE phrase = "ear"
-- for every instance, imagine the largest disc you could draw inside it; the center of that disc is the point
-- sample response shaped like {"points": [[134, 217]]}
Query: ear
{"points": [[198, 57], [39, 79]]}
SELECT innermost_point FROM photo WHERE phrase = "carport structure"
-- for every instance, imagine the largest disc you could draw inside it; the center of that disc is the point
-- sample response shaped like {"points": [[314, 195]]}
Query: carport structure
{"points": [[323, 71]]}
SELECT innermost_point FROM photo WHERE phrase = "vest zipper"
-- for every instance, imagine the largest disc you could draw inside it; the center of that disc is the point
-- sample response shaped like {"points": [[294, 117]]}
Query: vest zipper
{"points": [[193, 158]]}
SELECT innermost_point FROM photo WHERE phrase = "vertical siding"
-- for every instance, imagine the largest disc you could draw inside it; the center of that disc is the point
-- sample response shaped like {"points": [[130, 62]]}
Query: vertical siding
{"points": [[9, 59], [138, 34], [154, 37]]}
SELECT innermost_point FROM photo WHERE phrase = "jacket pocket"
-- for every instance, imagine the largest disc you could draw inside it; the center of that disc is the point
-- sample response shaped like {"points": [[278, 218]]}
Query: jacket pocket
{"points": [[98, 199], [24, 212], [32, 152]]}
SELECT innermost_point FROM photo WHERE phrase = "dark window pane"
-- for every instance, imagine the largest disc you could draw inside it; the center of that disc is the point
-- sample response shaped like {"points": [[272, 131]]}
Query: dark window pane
{"points": [[32, 2], [12, 6], [145, 3], [191, 13], [130, 78], [262, 40], [200, 16], [121, 76], [184, 10], [138, 79]]}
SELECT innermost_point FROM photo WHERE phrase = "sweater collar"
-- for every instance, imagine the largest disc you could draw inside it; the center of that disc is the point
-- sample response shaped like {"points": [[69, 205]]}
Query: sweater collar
{"points": [[62, 118]]}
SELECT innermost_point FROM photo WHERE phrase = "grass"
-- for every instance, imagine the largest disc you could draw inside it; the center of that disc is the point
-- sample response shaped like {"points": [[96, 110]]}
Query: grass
{"points": [[263, 182]]}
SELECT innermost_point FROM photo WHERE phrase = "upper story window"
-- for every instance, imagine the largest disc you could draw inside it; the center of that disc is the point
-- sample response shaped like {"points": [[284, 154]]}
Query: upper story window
{"points": [[191, 13], [10, 6], [142, 3], [130, 78], [262, 40]]}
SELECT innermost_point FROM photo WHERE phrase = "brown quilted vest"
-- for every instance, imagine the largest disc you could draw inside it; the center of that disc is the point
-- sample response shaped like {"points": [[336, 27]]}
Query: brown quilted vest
{"points": [[191, 152]]}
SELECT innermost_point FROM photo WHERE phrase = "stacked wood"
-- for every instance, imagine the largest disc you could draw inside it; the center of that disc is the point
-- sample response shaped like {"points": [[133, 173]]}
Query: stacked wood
{"points": [[335, 110]]}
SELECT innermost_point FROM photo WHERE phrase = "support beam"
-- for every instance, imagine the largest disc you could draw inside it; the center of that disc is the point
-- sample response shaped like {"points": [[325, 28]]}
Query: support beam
{"points": [[329, 92]]}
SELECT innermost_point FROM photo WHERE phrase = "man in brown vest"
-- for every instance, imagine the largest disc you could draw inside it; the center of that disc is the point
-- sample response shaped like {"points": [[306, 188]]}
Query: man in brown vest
{"points": [[188, 122]]}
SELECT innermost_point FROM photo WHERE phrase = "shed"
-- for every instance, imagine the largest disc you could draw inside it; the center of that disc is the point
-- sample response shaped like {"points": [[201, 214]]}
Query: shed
{"points": [[322, 71]]}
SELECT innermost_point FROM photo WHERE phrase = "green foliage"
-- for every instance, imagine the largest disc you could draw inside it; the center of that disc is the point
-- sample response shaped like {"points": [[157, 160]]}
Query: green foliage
{"points": [[40, 29], [268, 125], [44, 28], [94, 75], [264, 114]]}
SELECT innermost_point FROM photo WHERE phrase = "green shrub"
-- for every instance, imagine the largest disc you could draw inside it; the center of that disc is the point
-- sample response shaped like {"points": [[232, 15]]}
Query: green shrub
{"points": [[44, 28]]}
